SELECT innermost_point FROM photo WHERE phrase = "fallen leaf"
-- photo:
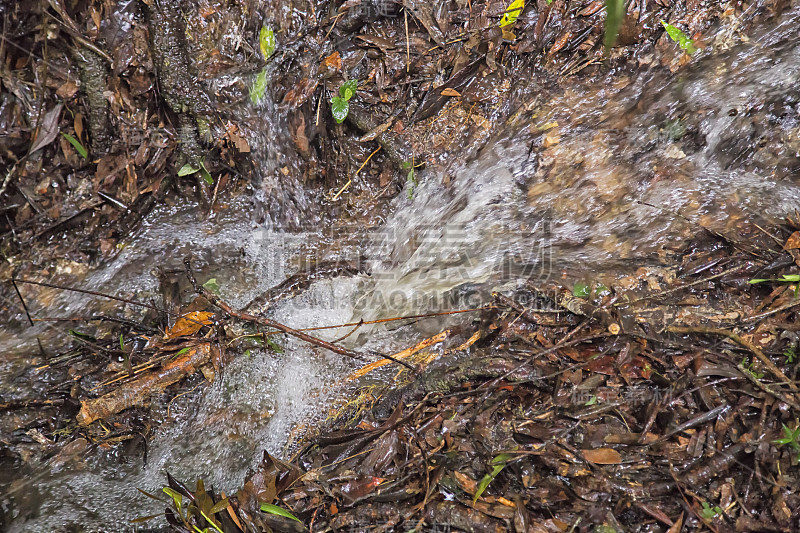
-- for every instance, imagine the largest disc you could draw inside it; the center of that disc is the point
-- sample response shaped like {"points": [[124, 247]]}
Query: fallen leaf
{"points": [[450, 92], [189, 324], [331, 64], [793, 242], [67, 90], [48, 129], [468, 484], [602, 456], [240, 143]]}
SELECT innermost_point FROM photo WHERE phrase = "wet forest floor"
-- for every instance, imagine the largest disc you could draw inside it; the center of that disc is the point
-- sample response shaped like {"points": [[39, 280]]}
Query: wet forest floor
{"points": [[667, 402]]}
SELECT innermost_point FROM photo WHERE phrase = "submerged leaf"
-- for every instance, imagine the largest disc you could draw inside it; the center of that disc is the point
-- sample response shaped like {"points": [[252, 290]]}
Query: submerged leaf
{"points": [[512, 13], [266, 41], [581, 290], [259, 87], [212, 285]]}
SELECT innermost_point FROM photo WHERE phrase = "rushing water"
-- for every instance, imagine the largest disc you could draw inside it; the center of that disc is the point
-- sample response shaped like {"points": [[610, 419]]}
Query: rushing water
{"points": [[562, 187]]}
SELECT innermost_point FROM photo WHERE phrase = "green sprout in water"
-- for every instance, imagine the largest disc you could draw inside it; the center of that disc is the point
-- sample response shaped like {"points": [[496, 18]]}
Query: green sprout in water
{"points": [[267, 42], [411, 178], [259, 87], [340, 105]]}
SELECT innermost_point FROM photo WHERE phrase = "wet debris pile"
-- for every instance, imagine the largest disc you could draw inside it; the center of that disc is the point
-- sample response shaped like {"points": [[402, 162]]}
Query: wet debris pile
{"points": [[101, 105], [669, 402]]}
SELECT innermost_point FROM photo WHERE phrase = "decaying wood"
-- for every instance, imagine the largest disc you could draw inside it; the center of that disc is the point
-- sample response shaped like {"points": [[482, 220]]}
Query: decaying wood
{"points": [[139, 390]]}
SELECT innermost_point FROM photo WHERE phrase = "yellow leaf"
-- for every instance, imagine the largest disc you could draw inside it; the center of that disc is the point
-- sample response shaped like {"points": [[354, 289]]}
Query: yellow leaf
{"points": [[512, 13], [189, 324]]}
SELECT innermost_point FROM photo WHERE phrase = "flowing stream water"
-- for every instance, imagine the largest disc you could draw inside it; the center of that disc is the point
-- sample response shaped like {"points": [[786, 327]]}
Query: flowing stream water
{"points": [[559, 189]]}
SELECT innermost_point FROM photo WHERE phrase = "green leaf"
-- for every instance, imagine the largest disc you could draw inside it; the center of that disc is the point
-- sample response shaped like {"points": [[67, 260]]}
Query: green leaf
{"points": [[592, 400], [183, 351], [81, 335], [266, 41], [206, 174], [176, 497], [212, 285], [790, 277], [512, 13], [615, 11], [187, 169], [348, 89], [274, 509], [121, 343], [499, 463], [76, 144], [259, 87], [274, 346], [754, 281], [340, 108], [679, 37], [581, 290], [210, 522]]}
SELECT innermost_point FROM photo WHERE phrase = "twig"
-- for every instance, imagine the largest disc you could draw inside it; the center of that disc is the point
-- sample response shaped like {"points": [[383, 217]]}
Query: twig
{"points": [[349, 181], [22, 300], [215, 300]]}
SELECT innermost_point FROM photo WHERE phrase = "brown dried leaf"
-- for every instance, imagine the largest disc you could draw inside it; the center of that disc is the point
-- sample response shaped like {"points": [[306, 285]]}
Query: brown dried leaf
{"points": [[603, 456], [189, 324], [793, 242], [331, 64], [48, 129]]}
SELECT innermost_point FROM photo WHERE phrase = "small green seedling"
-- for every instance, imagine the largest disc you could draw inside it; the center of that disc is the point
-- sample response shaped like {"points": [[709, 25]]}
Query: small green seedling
{"points": [[82, 151], [750, 370], [708, 512], [790, 354], [679, 37], [591, 401], [792, 438], [340, 105]]}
